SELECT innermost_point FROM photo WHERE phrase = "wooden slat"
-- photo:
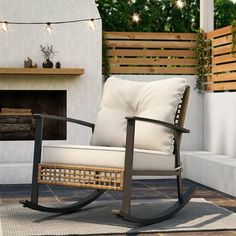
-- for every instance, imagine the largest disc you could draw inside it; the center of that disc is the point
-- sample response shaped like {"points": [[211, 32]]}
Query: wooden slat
{"points": [[222, 77], [224, 68], [222, 50], [16, 110], [153, 70], [151, 52], [151, 61], [219, 32], [155, 36], [13, 128], [222, 40], [41, 71], [150, 44], [16, 119], [222, 86], [223, 61], [138, 50], [224, 58]]}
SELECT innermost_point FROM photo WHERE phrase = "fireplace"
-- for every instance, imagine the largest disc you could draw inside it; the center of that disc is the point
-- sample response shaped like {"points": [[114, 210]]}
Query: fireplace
{"points": [[17, 125]]}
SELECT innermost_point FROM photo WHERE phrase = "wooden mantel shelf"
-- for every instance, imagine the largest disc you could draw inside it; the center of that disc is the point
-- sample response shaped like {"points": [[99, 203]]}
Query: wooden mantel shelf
{"points": [[41, 71]]}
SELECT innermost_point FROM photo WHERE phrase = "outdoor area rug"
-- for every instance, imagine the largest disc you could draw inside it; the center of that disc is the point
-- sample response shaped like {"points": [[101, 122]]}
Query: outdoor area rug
{"points": [[97, 218]]}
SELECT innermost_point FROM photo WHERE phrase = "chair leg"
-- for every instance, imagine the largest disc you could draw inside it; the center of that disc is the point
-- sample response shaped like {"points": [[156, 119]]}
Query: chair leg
{"points": [[126, 199], [129, 152], [37, 158], [127, 195], [180, 187], [35, 189]]}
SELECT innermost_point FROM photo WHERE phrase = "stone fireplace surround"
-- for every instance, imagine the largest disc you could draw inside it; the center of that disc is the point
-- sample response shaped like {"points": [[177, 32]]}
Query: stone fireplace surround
{"points": [[77, 46], [16, 156]]}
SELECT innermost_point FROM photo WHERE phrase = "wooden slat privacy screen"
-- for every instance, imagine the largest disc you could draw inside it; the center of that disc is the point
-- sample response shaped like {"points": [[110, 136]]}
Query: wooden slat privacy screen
{"points": [[222, 74], [151, 53]]}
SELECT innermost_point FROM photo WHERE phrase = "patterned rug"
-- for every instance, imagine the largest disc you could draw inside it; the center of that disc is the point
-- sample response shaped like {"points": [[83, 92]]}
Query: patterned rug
{"points": [[97, 219]]}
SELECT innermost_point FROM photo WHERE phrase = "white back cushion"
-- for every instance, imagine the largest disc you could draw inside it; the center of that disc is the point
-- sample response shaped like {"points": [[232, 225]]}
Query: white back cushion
{"points": [[155, 100]]}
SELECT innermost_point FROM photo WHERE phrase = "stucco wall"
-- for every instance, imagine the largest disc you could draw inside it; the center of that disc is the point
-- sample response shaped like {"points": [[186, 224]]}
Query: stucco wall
{"points": [[76, 46], [220, 123]]}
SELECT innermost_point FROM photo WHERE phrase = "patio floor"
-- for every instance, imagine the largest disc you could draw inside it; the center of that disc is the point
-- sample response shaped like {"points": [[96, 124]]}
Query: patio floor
{"points": [[143, 189]]}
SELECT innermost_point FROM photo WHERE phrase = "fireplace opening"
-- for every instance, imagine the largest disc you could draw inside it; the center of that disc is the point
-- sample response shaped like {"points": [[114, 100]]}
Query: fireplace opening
{"points": [[17, 107]]}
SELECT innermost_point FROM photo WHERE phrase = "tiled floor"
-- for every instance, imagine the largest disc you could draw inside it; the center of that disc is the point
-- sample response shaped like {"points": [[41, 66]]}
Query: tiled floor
{"points": [[143, 189]]}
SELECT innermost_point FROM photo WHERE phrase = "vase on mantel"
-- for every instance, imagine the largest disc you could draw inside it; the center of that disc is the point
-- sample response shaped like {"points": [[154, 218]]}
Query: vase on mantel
{"points": [[47, 64]]}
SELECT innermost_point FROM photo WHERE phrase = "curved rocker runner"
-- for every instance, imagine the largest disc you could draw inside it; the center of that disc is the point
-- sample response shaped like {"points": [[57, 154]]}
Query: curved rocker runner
{"points": [[165, 215], [66, 209]]}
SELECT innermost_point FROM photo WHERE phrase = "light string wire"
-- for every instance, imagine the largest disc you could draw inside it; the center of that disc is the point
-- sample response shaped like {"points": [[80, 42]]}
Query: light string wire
{"points": [[5, 24], [49, 22]]}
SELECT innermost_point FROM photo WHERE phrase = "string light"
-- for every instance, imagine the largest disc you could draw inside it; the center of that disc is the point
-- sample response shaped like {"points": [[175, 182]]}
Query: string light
{"points": [[91, 24], [48, 28], [180, 4], [135, 18], [4, 26]]}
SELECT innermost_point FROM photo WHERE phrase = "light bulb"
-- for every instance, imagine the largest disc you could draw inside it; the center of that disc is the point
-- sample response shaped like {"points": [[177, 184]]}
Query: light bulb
{"points": [[48, 28], [135, 18], [180, 4], [91, 24], [4, 26]]}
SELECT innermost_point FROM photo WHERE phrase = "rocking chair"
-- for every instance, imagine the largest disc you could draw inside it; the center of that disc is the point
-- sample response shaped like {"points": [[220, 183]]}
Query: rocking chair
{"points": [[137, 133]]}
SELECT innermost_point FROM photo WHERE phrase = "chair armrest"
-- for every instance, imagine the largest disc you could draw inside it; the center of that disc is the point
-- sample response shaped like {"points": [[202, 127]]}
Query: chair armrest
{"points": [[159, 122], [67, 119]]}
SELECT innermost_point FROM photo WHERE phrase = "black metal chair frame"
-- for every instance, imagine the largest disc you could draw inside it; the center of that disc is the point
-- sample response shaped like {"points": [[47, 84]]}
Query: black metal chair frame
{"points": [[125, 211]]}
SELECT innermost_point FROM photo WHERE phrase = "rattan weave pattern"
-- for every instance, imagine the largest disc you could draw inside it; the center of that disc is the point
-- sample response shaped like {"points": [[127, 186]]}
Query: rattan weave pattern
{"points": [[81, 176]]}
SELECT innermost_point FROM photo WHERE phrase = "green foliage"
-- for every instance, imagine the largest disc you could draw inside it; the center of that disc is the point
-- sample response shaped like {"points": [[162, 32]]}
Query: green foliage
{"points": [[161, 15], [203, 56], [155, 16], [105, 58], [225, 13], [234, 37]]}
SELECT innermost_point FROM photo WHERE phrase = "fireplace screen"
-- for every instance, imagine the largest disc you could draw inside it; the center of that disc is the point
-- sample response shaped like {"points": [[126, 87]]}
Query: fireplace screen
{"points": [[17, 107]]}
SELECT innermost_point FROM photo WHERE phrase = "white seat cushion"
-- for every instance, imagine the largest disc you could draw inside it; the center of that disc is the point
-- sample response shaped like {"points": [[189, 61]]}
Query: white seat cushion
{"points": [[106, 157], [156, 100]]}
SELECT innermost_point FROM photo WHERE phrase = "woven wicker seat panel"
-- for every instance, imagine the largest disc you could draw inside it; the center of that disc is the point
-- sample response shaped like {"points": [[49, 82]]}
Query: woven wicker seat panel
{"points": [[81, 176]]}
